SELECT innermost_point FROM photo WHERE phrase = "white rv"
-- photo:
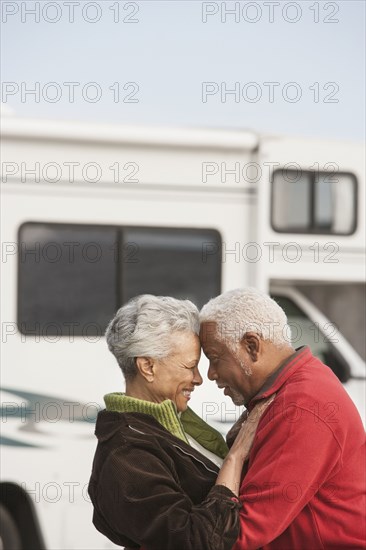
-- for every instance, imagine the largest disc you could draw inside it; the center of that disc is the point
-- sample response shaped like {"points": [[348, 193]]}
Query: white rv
{"points": [[93, 215]]}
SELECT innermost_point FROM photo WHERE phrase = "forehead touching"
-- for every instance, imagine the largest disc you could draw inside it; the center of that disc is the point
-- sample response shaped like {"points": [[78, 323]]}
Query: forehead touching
{"points": [[187, 345], [210, 337]]}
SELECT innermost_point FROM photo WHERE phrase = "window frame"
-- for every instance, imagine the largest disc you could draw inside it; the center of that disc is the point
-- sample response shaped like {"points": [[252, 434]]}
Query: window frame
{"points": [[313, 229], [119, 267]]}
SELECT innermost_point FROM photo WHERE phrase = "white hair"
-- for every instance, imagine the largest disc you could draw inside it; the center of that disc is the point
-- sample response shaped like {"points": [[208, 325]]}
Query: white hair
{"points": [[239, 311], [143, 328]]}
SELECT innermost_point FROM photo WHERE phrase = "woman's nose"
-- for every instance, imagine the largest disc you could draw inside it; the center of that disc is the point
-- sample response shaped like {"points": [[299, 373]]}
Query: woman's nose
{"points": [[197, 378]]}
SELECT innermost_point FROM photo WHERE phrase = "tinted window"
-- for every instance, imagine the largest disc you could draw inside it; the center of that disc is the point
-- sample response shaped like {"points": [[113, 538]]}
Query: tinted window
{"points": [[291, 201], [67, 275], [74, 277], [183, 263], [313, 202]]}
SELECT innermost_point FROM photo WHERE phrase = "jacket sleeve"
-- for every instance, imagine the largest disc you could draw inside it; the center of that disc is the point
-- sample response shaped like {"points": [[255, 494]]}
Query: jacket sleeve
{"points": [[150, 507], [292, 456]]}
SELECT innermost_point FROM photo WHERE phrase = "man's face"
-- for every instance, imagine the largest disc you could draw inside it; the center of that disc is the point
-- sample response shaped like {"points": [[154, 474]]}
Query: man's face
{"points": [[229, 369]]}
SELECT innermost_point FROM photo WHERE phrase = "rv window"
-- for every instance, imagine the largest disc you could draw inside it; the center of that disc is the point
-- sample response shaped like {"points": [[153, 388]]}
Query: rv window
{"points": [[183, 263], [72, 278], [307, 333], [291, 201], [67, 279], [314, 202]]}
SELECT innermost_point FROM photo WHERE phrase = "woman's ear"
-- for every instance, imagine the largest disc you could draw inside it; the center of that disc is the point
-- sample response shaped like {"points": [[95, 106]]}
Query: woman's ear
{"points": [[145, 366], [251, 342]]}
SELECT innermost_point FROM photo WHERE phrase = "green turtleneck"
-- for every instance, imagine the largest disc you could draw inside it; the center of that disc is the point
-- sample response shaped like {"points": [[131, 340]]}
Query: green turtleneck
{"points": [[166, 414]]}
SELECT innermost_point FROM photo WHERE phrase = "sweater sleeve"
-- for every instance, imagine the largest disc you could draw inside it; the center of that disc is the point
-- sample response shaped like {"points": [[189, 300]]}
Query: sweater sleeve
{"points": [[292, 456], [151, 508]]}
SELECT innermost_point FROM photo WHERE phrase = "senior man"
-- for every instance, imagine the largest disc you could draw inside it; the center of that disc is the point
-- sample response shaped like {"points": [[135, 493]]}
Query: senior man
{"points": [[304, 485]]}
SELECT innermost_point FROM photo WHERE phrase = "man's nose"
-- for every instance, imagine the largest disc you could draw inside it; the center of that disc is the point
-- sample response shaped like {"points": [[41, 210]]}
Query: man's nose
{"points": [[211, 373], [197, 378]]}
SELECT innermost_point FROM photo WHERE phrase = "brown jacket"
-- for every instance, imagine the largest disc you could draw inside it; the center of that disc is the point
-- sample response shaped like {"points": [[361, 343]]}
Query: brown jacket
{"points": [[151, 489]]}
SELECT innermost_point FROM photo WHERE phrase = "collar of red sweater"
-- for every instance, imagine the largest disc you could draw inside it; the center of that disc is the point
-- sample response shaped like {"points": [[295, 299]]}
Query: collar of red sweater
{"points": [[279, 376]]}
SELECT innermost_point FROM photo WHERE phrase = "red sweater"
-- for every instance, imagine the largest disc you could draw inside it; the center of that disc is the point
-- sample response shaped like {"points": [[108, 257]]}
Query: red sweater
{"points": [[304, 488]]}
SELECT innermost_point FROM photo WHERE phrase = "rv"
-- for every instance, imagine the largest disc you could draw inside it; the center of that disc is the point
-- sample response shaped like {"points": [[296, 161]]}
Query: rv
{"points": [[93, 215]]}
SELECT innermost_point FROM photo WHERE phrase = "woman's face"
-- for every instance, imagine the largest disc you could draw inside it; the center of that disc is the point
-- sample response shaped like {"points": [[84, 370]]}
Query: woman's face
{"points": [[176, 376]]}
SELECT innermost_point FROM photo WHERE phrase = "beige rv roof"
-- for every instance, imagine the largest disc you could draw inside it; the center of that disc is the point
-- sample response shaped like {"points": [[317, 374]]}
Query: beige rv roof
{"points": [[13, 127]]}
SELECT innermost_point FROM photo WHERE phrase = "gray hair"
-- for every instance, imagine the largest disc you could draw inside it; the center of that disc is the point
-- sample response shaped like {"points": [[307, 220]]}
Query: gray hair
{"points": [[143, 328], [239, 311]]}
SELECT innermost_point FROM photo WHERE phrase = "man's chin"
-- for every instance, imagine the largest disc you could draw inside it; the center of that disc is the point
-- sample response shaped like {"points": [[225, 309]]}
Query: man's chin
{"points": [[236, 397]]}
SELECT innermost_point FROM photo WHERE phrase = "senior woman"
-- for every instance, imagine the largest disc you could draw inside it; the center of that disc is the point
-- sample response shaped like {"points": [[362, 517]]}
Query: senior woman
{"points": [[159, 481]]}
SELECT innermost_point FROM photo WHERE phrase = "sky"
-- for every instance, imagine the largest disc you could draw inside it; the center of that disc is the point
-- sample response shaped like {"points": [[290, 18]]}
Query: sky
{"points": [[278, 67]]}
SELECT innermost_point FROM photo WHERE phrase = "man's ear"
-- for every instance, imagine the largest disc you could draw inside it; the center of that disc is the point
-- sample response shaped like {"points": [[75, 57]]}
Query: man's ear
{"points": [[145, 367], [251, 342]]}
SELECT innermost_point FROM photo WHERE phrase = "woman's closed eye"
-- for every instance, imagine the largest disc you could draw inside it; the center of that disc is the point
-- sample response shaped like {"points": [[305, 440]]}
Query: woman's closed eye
{"points": [[189, 366], [192, 366]]}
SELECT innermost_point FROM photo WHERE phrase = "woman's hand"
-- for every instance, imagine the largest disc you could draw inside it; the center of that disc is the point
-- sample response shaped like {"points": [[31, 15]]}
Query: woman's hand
{"points": [[231, 470], [244, 440]]}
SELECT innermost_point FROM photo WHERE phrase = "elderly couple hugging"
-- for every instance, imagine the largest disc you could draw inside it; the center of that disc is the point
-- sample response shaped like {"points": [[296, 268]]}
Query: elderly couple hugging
{"points": [[163, 479]]}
